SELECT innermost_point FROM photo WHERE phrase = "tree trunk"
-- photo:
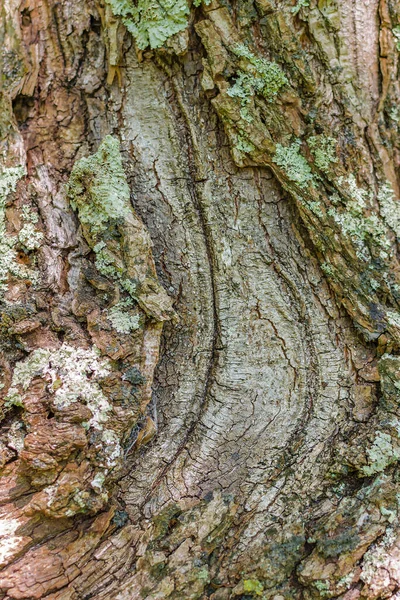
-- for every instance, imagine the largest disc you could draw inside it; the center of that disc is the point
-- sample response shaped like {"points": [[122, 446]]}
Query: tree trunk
{"points": [[200, 299]]}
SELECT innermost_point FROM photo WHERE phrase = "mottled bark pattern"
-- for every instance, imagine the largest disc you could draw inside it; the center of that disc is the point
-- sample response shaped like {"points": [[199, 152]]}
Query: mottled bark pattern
{"points": [[255, 154]]}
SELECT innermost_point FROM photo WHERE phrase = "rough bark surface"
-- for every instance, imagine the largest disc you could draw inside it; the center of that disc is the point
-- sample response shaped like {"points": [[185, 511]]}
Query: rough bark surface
{"points": [[200, 300]]}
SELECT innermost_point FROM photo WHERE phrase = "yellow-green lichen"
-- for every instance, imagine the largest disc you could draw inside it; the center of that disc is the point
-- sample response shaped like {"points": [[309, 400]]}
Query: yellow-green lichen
{"points": [[293, 164], [253, 586], [152, 22]]}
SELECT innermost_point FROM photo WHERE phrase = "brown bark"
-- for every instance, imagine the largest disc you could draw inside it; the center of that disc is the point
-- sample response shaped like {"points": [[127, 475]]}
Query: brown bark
{"points": [[258, 457]]}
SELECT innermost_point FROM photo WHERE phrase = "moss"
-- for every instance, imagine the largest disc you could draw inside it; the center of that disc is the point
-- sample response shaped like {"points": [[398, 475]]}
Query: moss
{"points": [[294, 165], [324, 151], [152, 22], [255, 76], [254, 586]]}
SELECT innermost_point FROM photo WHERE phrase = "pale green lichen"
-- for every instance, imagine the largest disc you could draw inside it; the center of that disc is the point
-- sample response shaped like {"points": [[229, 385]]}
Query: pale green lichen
{"points": [[396, 33], [104, 179], [377, 556], [244, 145], [122, 320], [327, 269], [98, 189], [324, 151], [293, 164], [152, 22], [8, 254], [390, 208], [73, 372], [300, 4], [381, 454], [29, 237], [355, 224], [255, 76], [98, 482], [322, 585]]}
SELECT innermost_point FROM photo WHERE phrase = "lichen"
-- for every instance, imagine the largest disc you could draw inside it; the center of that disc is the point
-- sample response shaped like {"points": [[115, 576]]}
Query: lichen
{"points": [[381, 454], [108, 189], [353, 221], [377, 556], [255, 76], [244, 145], [98, 189], [8, 254], [29, 237], [324, 151], [254, 586], [323, 586], [152, 22], [300, 4], [122, 320], [390, 208], [294, 165], [396, 33], [74, 374]]}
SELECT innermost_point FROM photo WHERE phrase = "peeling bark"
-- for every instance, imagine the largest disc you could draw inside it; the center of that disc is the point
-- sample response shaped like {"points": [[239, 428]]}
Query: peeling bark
{"points": [[199, 300]]}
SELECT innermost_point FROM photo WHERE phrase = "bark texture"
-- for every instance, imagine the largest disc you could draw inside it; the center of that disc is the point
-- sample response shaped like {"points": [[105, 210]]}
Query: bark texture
{"points": [[200, 300]]}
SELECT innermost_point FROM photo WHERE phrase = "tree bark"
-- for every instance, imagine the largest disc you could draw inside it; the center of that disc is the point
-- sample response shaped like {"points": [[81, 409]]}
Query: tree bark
{"points": [[200, 300]]}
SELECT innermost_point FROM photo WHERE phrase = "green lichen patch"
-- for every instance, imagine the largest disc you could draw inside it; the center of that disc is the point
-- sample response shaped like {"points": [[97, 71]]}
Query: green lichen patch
{"points": [[390, 208], [152, 22], [381, 454], [253, 586], [122, 318], [255, 76], [99, 191], [300, 4], [324, 151], [74, 374], [396, 34], [366, 232], [98, 188], [29, 237], [293, 164]]}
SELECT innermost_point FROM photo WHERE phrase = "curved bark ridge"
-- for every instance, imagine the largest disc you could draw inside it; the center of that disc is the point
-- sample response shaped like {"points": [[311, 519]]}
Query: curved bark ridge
{"points": [[274, 473]]}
